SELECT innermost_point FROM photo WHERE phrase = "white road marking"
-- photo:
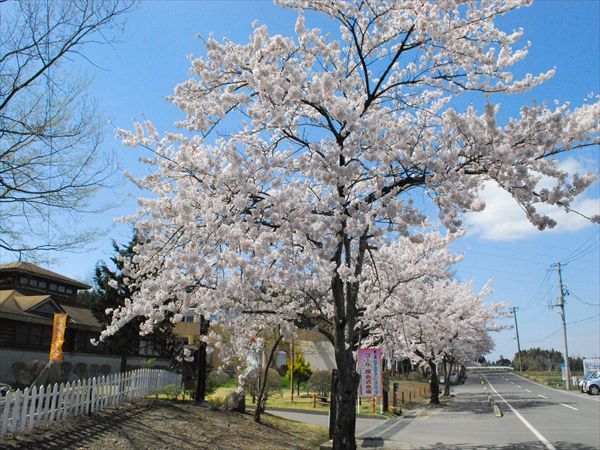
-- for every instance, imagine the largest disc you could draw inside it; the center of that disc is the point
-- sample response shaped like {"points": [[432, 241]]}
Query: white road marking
{"points": [[518, 386], [537, 434], [594, 398], [543, 396], [527, 390], [387, 429], [568, 406]]}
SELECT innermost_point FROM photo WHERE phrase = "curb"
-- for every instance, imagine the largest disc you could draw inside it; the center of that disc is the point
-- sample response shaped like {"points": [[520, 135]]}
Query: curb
{"points": [[319, 413], [360, 443]]}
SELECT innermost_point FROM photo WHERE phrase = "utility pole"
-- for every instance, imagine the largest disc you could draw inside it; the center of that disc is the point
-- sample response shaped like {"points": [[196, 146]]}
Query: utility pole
{"points": [[561, 305], [514, 311]]}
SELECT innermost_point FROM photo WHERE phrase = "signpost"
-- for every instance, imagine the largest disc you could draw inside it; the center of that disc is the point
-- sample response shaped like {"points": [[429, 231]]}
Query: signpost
{"points": [[590, 365], [369, 369]]}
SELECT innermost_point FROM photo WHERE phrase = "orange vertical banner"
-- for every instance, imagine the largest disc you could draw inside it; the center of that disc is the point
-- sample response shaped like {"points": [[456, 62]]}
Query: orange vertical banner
{"points": [[58, 337]]}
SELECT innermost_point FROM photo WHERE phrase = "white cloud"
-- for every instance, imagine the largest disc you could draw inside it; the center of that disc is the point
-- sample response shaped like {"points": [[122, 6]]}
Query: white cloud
{"points": [[504, 220]]}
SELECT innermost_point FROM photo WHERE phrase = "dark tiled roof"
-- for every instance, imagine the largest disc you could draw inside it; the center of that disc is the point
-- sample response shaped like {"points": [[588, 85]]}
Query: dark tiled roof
{"points": [[32, 269]]}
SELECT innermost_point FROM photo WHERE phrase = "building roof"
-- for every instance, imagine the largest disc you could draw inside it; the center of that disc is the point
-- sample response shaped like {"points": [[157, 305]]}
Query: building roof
{"points": [[32, 269], [39, 309]]}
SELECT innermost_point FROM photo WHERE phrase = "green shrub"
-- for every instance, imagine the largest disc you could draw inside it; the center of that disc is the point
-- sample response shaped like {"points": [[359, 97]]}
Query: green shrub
{"points": [[169, 391]]}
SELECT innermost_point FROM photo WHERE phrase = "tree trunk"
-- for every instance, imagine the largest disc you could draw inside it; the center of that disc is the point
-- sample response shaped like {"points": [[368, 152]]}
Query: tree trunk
{"points": [[345, 402], [448, 366], [435, 385], [260, 405], [333, 394], [201, 368]]}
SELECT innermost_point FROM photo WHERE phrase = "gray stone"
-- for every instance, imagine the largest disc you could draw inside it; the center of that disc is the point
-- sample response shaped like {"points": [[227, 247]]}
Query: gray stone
{"points": [[235, 401]]}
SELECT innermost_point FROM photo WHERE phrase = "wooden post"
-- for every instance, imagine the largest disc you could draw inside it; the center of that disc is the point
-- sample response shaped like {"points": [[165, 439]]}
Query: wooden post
{"points": [[372, 405], [292, 371], [314, 400], [402, 397]]}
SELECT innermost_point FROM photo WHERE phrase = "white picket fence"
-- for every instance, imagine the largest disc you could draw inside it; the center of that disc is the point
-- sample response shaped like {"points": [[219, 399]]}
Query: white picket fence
{"points": [[25, 410]]}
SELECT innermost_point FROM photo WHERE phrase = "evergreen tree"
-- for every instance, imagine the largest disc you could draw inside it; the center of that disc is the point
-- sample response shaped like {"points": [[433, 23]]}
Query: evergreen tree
{"points": [[110, 293], [302, 370]]}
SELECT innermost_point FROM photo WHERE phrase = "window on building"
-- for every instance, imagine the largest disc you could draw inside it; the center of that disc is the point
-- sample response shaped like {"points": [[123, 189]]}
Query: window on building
{"points": [[33, 282], [42, 284], [82, 342], [53, 287], [33, 336], [24, 281], [69, 291]]}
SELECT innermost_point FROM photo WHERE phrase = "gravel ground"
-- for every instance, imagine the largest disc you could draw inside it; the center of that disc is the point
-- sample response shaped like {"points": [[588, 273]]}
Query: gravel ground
{"points": [[163, 424]]}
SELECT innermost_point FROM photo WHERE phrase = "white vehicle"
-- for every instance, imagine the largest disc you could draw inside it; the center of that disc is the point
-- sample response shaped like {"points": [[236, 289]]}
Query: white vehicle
{"points": [[592, 384], [584, 379]]}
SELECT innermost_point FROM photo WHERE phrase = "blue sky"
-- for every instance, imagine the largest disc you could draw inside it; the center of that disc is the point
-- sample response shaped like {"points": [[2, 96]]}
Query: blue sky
{"points": [[134, 75]]}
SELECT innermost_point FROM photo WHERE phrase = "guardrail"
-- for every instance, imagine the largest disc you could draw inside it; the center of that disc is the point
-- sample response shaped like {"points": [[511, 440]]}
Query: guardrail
{"points": [[25, 410]]}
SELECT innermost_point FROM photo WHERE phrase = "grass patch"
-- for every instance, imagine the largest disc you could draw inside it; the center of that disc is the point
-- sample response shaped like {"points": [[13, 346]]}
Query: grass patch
{"points": [[415, 393], [552, 379], [305, 433]]}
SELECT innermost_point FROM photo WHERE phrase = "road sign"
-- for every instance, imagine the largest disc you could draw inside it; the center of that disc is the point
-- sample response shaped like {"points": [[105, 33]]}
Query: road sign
{"points": [[590, 364]]}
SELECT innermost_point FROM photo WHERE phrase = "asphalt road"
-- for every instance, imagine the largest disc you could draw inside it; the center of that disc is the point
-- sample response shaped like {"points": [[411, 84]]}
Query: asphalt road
{"points": [[535, 417], [558, 419]]}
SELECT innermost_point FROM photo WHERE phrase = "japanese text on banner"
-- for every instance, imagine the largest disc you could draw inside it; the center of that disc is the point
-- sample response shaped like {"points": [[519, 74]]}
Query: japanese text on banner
{"points": [[369, 366], [58, 337]]}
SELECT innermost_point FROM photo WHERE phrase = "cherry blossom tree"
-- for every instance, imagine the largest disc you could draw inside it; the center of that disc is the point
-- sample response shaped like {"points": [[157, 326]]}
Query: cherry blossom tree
{"points": [[439, 321], [465, 350], [335, 138]]}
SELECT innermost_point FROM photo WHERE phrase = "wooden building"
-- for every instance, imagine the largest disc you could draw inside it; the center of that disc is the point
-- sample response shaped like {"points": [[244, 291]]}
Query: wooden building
{"points": [[29, 297]]}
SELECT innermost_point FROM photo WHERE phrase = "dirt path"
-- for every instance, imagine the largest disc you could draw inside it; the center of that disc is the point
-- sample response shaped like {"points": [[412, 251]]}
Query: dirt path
{"points": [[162, 424]]}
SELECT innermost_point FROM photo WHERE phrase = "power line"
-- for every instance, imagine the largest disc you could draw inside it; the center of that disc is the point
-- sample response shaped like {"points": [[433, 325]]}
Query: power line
{"points": [[587, 319], [583, 249], [582, 301], [546, 337]]}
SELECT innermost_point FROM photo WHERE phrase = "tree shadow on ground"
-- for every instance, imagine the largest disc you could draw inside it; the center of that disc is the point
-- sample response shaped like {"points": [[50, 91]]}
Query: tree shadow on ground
{"points": [[82, 431], [69, 434], [478, 403]]}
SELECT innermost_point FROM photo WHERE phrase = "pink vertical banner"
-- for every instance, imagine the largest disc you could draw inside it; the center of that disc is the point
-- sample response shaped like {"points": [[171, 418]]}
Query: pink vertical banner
{"points": [[369, 368]]}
